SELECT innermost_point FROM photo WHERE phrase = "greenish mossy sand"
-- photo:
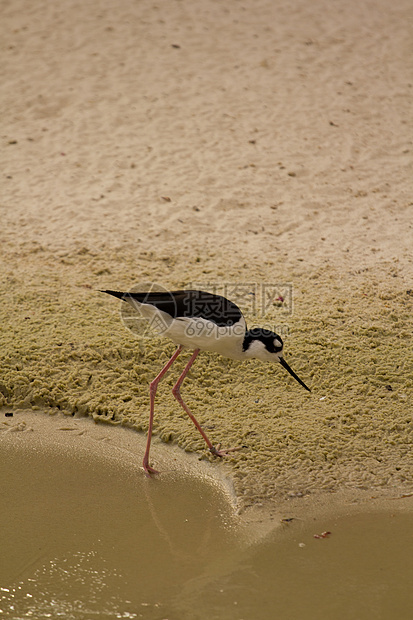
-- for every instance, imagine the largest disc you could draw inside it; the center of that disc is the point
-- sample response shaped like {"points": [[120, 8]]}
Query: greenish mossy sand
{"points": [[66, 349]]}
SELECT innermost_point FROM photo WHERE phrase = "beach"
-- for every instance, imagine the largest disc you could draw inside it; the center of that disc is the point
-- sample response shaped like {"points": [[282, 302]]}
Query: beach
{"points": [[260, 150]]}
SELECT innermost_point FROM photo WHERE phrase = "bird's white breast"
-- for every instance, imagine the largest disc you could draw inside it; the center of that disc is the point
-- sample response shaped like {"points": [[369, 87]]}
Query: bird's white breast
{"points": [[196, 333]]}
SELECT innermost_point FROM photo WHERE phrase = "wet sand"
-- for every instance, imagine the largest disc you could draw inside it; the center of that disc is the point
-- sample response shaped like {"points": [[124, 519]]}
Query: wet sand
{"points": [[230, 147], [85, 535]]}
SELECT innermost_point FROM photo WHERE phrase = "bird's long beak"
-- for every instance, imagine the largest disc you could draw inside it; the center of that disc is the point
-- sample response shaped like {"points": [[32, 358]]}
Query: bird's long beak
{"points": [[292, 373]]}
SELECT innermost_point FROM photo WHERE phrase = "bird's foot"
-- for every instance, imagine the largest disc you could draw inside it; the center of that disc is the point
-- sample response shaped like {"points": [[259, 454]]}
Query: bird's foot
{"points": [[148, 469], [216, 451]]}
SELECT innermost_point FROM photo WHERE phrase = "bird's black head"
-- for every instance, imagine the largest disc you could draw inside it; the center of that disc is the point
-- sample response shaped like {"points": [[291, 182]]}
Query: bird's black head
{"points": [[262, 343], [266, 345]]}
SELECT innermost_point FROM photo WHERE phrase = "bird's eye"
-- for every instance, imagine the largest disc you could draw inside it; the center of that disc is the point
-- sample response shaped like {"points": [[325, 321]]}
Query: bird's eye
{"points": [[278, 345]]}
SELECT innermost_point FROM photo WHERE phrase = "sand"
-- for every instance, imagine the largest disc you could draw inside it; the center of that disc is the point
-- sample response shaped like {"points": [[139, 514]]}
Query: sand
{"points": [[255, 149]]}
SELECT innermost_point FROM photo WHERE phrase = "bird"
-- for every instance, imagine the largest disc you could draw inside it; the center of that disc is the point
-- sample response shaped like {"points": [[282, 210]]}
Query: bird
{"points": [[201, 321]]}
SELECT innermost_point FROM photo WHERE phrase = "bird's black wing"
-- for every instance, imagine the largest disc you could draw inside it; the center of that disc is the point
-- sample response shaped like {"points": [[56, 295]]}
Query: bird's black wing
{"points": [[188, 304]]}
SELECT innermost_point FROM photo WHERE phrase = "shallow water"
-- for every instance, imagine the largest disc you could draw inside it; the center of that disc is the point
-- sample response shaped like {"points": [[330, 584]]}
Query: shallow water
{"points": [[83, 538]]}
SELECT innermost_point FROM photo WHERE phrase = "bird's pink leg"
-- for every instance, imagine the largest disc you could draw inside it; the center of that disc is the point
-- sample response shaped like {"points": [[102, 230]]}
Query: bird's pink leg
{"points": [[152, 392], [176, 392]]}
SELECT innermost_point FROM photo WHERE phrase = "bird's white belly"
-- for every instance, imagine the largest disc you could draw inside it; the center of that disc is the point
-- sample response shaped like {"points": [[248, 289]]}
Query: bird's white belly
{"points": [[196, 333]]}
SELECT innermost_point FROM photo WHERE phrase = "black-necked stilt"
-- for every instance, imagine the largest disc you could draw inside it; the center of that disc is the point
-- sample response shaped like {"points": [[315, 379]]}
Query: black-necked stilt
{"points": [[202, 322]]}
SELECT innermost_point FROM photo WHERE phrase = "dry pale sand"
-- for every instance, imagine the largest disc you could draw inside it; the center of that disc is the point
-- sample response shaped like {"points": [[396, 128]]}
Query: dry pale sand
{"points": [[228, 146]]}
